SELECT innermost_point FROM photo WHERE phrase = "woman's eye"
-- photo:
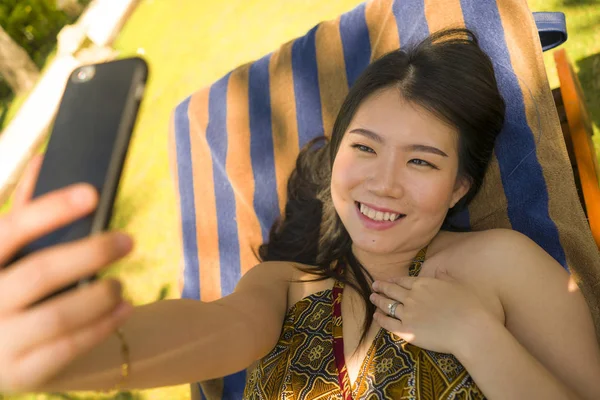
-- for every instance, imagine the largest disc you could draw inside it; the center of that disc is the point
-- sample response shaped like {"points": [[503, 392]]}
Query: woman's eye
{"points": [[363, 148], [420, 162]]}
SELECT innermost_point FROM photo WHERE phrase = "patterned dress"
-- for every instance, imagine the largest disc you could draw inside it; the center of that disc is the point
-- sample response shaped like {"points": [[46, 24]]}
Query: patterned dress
{"points": [[308, 361]]}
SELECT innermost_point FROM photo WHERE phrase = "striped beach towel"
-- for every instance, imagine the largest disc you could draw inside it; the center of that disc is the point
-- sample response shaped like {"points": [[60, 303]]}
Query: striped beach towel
{"points": [[233, 144]]}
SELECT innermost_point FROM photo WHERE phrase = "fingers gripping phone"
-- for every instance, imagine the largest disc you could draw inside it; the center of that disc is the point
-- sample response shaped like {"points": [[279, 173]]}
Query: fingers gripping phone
{"points": [[89, 142]]}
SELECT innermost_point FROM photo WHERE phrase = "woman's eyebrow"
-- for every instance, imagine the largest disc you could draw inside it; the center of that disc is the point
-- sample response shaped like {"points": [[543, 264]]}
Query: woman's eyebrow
{"points": [[412, 147], [426, 149], [368, 134]]}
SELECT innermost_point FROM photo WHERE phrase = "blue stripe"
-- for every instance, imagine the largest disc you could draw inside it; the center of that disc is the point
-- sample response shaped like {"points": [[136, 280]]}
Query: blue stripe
{"points": [[234, 385], [216, 137], [266, 203], [411, 21], [191, 286], [355, 42], [525, 187], [306, 88]]}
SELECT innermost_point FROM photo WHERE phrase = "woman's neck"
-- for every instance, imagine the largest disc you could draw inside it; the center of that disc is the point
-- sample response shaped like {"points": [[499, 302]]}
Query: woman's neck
{"points": [[388, 266]]}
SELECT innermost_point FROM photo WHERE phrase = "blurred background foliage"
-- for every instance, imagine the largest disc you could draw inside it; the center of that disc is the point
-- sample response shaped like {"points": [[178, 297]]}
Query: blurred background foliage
{"points": [[33, 25]]}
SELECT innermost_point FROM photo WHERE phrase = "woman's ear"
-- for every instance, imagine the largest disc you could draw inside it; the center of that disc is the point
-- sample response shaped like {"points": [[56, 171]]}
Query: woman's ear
{"points": [[460, 190]]}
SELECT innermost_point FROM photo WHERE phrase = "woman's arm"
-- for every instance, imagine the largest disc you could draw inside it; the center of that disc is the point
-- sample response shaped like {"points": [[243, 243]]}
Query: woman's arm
{"points": [[548, 349], [180, 341], [65, 343]]}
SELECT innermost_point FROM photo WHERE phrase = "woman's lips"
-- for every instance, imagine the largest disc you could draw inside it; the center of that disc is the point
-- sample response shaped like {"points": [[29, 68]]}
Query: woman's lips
{"points": [[376, 225]]}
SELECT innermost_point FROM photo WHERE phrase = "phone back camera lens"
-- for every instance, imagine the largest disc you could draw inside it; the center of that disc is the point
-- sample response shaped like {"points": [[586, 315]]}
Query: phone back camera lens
{"points": [[84, 74]]}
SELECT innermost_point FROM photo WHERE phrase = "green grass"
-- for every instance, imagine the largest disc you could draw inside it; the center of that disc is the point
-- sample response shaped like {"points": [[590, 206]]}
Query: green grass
{"points": [[190, 46]]}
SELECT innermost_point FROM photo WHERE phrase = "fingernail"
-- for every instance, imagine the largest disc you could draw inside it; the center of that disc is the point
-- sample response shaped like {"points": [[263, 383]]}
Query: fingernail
{"points": [[82, 195], [372, 298], [122, 310], [375, 284], [124, 242]]}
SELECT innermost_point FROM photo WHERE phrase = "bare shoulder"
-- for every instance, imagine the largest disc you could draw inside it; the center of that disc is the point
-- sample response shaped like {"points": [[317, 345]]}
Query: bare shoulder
{"points": [[268, 273], [515, 265], [543, 306], [289, 280], [503, 266], [511, 263], [502, 255], [494, 240]]}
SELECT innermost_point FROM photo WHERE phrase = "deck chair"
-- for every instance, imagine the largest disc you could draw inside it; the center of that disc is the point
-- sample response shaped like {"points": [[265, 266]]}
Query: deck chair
{"points": [[233, 144], [577, 130]]}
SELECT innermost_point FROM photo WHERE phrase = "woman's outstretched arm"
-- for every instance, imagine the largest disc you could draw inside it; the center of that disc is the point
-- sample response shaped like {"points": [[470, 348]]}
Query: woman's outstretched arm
{"points": [[180, 341], [68, 341]]}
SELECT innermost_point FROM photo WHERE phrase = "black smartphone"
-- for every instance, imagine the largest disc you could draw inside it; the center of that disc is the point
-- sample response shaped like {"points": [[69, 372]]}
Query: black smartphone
{"points": [[89, 142]]}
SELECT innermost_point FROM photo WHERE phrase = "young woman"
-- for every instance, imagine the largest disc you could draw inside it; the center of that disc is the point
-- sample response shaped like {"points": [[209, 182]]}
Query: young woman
{"points": [[365, 290]]}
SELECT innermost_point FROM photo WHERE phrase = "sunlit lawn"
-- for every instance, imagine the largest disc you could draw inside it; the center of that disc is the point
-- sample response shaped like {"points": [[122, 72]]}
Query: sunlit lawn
{"points": [[189, 44]]}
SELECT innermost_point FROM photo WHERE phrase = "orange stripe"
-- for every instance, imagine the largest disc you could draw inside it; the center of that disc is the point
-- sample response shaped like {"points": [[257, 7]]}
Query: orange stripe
{"points": [[490, 208], [283, 120], [239, 166], [441, 14], [333, 83], [204, 196], [383, 31]]}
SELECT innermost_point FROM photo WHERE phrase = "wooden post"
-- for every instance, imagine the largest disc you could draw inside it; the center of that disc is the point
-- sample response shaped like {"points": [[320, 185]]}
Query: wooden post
{"points": [[580, 128]]}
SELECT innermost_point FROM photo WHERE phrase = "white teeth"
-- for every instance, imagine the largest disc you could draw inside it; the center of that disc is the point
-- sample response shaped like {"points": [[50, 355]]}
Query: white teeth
{"points": [[378, 215]]}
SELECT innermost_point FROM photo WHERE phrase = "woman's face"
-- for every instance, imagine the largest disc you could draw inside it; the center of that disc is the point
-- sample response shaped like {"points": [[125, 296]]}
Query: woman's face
{"points": [[395, 175]]}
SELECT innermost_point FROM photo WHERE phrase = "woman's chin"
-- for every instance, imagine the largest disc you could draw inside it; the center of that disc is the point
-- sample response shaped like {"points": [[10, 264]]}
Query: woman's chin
{"points": [[372, 246]]}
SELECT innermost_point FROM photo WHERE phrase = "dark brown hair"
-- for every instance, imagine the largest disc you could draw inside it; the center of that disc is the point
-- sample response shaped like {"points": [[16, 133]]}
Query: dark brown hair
{"points": [[446, 74]]}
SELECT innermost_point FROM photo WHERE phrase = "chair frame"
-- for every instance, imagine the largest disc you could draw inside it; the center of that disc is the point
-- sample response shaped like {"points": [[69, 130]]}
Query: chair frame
{"points": [[577, 130]]}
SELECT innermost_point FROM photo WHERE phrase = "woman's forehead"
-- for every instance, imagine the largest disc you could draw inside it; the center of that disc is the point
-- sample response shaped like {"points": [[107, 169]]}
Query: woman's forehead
{"points": [[398, 121]]}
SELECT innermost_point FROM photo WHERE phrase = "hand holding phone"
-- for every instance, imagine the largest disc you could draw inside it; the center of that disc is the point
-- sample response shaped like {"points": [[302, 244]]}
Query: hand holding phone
{"points": [[53, 236], [89, 142], [38, 338]]}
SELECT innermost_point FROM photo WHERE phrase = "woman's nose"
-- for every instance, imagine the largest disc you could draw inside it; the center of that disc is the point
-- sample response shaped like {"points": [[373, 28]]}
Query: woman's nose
{"points": [[387, 180]]}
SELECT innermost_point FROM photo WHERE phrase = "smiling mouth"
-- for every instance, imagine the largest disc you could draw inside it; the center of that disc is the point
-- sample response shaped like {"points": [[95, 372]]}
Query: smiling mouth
{"points": [[378, 216]]}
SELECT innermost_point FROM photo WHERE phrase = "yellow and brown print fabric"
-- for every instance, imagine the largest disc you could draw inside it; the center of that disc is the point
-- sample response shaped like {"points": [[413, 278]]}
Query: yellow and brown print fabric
{"points": [[302, 365]]}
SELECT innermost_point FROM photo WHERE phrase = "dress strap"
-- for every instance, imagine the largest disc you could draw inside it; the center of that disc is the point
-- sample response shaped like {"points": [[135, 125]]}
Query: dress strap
{"points": [[338, 341], [417, 263]]}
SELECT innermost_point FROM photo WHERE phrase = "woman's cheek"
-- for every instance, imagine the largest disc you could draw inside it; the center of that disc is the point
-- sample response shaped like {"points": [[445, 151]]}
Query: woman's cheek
{"points": [[433, 196], [346, 173]]}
